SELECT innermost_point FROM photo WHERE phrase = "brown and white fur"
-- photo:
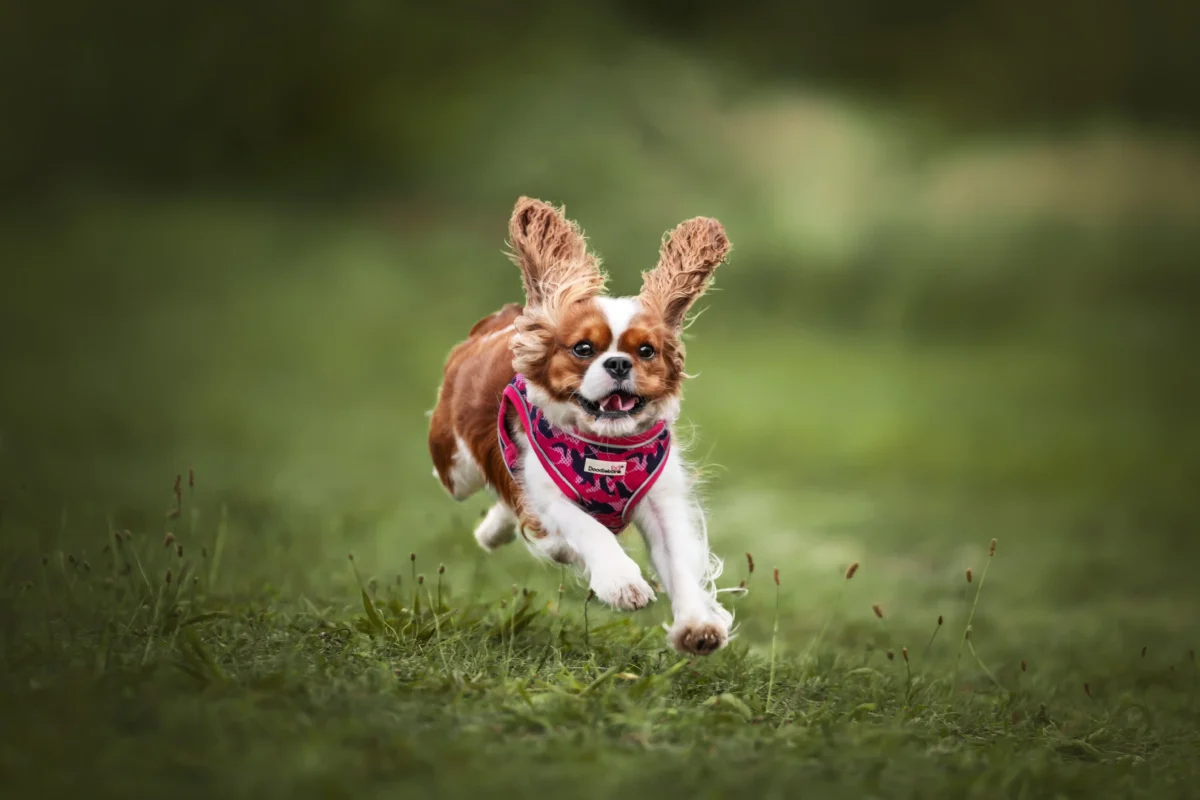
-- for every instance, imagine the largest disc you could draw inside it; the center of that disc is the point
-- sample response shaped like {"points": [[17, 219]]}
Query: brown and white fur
{"points": [[561, 340]]}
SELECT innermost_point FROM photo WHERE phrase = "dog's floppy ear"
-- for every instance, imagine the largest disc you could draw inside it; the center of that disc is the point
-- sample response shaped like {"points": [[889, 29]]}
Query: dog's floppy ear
{"points": [[686, 261], [556, 267]]}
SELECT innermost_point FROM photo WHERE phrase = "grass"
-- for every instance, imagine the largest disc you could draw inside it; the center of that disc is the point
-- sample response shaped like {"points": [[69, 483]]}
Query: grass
{"points": [[144, 677], [292, 375]]}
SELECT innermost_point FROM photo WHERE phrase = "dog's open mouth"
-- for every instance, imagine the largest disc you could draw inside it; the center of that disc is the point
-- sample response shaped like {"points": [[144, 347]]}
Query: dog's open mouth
{"points": [[617, 404]]}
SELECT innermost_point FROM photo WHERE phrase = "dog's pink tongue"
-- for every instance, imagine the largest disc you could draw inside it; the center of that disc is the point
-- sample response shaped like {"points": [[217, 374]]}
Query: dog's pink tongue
{"points": [[619, 402]]}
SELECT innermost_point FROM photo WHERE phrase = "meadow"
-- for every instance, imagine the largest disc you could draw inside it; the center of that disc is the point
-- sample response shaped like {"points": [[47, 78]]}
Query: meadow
{"points": [[227, 571]]}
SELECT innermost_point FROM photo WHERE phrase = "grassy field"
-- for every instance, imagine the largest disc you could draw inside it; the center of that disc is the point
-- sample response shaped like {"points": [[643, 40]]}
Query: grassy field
{"points": [[266, 631]]}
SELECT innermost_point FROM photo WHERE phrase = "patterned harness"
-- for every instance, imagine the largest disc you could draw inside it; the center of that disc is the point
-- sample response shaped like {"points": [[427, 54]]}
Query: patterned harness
{"points": [[606, 477]]}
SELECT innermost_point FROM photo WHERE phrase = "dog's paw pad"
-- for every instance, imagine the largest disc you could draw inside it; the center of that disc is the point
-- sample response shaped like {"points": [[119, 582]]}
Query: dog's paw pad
{"points": [[698, 638]]}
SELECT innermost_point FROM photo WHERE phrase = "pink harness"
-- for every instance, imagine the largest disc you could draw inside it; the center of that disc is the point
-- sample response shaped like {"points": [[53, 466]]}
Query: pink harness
{"points": [[606, 477]]}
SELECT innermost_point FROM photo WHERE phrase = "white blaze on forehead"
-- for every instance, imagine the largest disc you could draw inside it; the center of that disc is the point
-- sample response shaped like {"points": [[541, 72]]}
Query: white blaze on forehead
{"points": [[618, 313]]}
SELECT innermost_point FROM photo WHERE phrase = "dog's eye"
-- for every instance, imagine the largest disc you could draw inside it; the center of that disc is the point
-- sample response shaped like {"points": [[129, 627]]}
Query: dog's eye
{"points": [[646, 351], [583, 349]]}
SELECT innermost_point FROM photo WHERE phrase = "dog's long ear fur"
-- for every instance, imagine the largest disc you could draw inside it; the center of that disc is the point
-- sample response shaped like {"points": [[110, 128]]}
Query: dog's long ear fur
{"points": [[686, 261], [557, 271], [556, 267]]}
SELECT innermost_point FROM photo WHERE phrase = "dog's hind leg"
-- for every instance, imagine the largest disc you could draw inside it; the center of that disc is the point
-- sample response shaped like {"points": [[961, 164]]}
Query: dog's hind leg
{"points": [[497, 528], [453, 465]]}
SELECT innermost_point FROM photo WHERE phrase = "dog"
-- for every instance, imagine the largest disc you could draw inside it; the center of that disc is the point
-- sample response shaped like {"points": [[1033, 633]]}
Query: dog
{"points": [[563, 409]]}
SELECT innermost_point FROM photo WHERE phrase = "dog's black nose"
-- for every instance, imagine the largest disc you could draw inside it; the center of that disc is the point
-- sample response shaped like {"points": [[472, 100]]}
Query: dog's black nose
{"points": [[618, 366]]}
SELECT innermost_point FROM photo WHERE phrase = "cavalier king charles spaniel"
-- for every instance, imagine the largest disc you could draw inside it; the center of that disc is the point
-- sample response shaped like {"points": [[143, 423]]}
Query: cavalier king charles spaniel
{"points": [[564, 408]]}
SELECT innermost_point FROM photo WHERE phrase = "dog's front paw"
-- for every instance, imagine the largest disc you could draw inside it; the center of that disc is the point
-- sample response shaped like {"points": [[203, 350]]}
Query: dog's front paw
{"points": [[698, 637], [622, 591]]}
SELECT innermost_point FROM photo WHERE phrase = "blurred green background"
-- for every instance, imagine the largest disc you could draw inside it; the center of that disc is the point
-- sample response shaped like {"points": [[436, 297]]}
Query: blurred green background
{"points": [[242, 238]]}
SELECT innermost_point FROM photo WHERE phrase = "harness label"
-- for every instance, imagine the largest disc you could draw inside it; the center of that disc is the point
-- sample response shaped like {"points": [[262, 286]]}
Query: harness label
{"points": [[598, 467]]}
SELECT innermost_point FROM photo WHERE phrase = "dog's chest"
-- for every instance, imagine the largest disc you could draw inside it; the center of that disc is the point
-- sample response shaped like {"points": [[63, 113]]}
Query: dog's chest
{"points": [[605, 477]]}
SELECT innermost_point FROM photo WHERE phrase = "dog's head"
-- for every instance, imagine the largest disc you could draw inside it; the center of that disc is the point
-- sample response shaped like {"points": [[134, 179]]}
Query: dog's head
{"points": [[608, 366]]}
